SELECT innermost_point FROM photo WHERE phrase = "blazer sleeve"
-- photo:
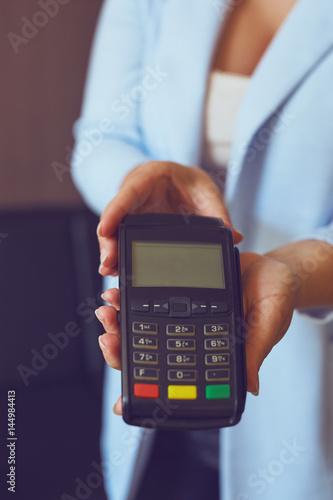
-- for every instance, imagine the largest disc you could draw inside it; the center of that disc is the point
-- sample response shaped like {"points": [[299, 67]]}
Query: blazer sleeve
{"points": [[107, 135]]}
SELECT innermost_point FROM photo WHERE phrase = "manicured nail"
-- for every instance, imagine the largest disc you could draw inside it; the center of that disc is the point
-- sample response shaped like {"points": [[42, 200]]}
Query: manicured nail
{"points": [[114, 409], [104, 255], [99, 315], [256, 392], [98, 228], [101, 344], [102, 295]]}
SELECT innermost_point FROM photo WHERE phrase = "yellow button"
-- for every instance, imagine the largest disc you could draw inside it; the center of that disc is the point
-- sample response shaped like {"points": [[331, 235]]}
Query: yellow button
{"points": [[182, 392]]}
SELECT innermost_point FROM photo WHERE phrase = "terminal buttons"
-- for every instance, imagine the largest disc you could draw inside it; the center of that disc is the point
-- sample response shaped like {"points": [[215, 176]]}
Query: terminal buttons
{"points": [[161, 306], [216, 329], [145, 342], [138, 327], [140, 305], [181, 307], [199, 307], [146, 373], [146, 390], [180, 329], [218, 391], [182, 392]]}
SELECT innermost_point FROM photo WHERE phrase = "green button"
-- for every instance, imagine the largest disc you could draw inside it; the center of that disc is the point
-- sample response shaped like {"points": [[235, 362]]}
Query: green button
{"points": [[218, 391]]}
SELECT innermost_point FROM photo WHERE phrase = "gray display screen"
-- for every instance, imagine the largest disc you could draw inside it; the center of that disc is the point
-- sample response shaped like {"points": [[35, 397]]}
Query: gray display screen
{"points": [[164, 264]]}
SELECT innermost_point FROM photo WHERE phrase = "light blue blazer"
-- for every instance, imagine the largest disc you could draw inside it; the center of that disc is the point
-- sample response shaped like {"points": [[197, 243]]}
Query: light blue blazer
{"points": [[145, 99]]}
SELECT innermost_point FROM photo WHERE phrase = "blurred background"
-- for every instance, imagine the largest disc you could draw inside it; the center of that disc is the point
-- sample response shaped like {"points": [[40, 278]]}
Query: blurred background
{"points": [[49, 285]]}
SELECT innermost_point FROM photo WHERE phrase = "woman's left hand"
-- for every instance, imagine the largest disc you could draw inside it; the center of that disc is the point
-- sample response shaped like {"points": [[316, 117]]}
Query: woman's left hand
{"points": [[269, 297]]}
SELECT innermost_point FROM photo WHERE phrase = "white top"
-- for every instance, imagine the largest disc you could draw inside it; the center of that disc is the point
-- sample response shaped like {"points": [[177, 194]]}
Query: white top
{"points": [[224, 97]]}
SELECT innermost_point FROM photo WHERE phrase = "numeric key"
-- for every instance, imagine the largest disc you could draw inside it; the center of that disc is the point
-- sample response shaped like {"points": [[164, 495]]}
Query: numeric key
{"points": [[138, 327], [145, 342], [146, 358]]}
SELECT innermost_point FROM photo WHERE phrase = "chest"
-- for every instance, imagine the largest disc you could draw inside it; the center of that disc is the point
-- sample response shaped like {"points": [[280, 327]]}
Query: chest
{"points": [[249, 28]]}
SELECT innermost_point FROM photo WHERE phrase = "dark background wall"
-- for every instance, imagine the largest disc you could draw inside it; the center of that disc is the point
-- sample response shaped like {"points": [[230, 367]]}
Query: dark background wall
{"points": [[49, 285], [41, 89]]}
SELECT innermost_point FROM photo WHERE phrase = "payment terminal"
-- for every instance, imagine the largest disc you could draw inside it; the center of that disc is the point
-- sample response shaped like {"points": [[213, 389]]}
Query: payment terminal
{"points": [[181, 319]]}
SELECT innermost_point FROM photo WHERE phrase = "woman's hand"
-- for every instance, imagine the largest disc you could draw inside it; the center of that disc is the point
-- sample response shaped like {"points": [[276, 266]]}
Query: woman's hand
{"points": [[161, 187], [298, 275], [110, 341], [269, 298]]}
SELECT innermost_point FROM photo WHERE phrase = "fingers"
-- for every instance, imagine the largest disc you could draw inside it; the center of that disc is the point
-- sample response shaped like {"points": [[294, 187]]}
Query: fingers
{"points": [[109, 256], [112, 297], [118, 407], [110, 346], [219, 209], [256, 351], [216, 208], [110, 342], [266, 323], [268, 309], [205, 195], [133, 193], [258, 345]]}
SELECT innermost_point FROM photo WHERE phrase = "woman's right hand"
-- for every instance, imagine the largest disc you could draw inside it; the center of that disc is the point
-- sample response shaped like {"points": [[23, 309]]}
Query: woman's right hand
{"points": [[109, 342], [160, 187]]}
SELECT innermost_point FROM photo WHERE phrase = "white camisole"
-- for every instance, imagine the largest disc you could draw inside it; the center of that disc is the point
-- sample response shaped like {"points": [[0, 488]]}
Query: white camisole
{"points": [[224, 96]]}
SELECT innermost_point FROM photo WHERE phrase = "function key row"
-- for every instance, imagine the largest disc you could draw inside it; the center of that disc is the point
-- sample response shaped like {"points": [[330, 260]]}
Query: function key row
{"points": [[179, 306]]}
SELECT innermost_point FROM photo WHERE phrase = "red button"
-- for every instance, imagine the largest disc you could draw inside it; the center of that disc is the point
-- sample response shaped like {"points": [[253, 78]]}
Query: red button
{"points": [[146, 391]]}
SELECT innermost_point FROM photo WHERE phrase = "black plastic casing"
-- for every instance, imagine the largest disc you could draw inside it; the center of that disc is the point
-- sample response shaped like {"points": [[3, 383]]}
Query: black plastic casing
{"points": [[163, 413]]}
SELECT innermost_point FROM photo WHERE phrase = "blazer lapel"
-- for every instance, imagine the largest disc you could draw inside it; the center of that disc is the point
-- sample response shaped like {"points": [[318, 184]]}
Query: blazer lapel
{"points": [[303, 39]]}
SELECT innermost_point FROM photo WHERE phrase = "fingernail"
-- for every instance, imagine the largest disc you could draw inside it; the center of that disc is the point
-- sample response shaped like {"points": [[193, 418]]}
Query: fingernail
{"points": [[98, 228], [101, 344], [104, 255], [99, 316], [114, 409], [106, 300], [256, 392]]}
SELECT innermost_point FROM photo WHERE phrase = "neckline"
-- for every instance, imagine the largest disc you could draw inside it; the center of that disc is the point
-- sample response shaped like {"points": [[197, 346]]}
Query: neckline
{"points": [[231, 76]]}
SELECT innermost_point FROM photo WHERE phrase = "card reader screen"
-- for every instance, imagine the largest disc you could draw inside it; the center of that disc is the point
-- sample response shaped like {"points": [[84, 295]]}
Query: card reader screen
{"points": [[181, 264]]}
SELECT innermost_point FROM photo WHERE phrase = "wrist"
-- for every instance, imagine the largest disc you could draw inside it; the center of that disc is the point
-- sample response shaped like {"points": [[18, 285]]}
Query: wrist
{"points": [[311, 264]]}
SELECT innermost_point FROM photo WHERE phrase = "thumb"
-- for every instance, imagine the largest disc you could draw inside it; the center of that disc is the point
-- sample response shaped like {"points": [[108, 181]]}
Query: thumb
{"points": [[213, 206], [263, 331]]}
